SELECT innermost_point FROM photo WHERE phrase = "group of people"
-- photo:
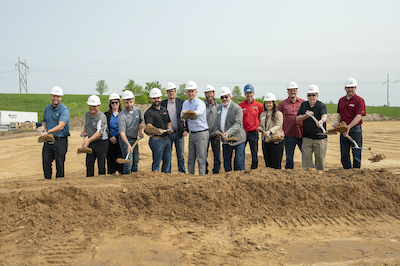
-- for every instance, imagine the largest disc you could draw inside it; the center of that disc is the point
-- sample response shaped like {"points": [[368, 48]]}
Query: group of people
{"points": [[292, 122]]}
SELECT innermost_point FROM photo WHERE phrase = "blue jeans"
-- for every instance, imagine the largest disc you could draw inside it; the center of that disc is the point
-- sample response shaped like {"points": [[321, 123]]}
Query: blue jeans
{"points": [[161, 149], [132, 166], [252, 138], [290, 145], [179, 148], [239, 156], [216, 148], [345, 144]]}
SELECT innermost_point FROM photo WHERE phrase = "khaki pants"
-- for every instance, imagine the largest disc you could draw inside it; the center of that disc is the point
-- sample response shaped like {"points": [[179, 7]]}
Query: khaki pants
{"points": [[198, 143], [316, 146]]}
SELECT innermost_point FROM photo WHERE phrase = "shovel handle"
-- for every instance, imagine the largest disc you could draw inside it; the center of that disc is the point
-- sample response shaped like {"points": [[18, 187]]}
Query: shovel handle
{"points": [[316, 121]]}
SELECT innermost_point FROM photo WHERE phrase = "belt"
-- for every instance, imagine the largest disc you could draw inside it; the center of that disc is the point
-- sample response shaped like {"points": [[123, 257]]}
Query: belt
{"points": [[59, 138], [198, 131], [159, 137], [355, 127], [97, 140]]}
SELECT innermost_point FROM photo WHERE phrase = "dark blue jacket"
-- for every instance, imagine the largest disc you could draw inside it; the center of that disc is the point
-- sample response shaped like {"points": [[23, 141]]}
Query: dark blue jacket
{"points": [[178, 105]]}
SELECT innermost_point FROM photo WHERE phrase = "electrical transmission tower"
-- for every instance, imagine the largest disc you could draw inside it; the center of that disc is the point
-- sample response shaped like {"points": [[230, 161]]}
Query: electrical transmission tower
{"points": [[23, 77]]}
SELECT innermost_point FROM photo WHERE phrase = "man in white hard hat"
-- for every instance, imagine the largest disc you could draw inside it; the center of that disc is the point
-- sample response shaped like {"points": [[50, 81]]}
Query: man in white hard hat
{"points": [[293, 130], [212, 121], [55, 121], [230, 122], [198, 138], [313, 142], [160, 144], [251, 121], [95, 127], [130, 124], [174, 106], [351, 109]]}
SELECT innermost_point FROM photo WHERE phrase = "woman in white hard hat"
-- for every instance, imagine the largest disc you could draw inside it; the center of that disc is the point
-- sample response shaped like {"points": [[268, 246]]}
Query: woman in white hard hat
{"points": [[271, 121], [114, 150]]}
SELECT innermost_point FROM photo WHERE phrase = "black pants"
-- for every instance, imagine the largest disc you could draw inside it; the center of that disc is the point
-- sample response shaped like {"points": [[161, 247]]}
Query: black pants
{"points": [[114, 152], [273, 153], [51, 152], [100, 148]]}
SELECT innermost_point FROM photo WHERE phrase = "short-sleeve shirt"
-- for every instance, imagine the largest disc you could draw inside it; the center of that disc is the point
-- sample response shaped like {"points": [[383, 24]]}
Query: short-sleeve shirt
{"points": [[310, 129], [52, 116], [251, 115], [291, 128], [158, 118], [129, 122], [349, 108], [96, 123]]}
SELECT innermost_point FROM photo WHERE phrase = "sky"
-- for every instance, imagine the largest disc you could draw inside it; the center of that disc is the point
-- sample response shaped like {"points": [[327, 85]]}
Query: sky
{"points": [[73, 44]]}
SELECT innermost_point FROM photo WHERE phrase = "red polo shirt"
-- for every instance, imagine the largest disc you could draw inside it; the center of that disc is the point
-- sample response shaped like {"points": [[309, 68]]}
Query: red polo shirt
{"points": [[251, 115], [291, 128], [349, 108]]}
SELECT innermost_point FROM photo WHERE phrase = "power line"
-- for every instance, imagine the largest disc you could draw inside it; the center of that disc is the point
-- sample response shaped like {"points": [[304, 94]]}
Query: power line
{"points": [[8, 71]]}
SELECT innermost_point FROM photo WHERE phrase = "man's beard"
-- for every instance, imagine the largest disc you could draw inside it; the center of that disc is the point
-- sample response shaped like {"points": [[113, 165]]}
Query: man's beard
{"points": [[210, 100], [156, 104]]}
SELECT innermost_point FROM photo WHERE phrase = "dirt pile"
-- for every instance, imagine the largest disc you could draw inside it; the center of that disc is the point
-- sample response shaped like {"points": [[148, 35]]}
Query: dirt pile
{"points": [[284, 196]]}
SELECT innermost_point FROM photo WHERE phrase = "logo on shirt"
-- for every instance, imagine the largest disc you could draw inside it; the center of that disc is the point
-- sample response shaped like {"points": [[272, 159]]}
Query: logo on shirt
{"points": [[164, 113], [255, 107], [351, 104], [244, 109]]}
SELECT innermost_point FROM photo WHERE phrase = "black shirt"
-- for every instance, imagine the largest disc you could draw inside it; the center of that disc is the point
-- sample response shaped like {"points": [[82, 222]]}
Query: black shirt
{"points": [[158, 118], [310, 129]]}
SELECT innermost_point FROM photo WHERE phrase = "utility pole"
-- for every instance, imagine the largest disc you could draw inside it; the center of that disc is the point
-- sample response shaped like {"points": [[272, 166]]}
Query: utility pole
{"points": [[23, 77]]}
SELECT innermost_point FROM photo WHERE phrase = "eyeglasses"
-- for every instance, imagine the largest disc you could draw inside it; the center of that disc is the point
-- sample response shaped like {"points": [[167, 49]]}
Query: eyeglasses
{"points": [[114, 102], [311, 95], [224, 97]]}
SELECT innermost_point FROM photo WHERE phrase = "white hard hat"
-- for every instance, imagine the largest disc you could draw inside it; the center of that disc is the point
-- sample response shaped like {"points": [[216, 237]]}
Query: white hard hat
{"points": [[127, 95], [57, 91], [225, 91], [269, 97], [154, 93], [292, 85], [191, 85], [209, 88], [113, 96], [93, 100], [350, 82], [171, 86], [312, 89]]}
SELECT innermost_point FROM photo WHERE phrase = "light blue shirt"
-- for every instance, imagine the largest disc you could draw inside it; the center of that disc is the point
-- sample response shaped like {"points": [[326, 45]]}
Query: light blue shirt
{"points": [[199, 107], [53, 115]]}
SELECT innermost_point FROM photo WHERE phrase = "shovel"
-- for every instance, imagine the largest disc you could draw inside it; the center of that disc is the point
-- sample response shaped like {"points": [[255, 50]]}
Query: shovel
{"points": [[124, 161], [231, 139], [263, 131], [84, 149], [356, 145], [316, 121]]}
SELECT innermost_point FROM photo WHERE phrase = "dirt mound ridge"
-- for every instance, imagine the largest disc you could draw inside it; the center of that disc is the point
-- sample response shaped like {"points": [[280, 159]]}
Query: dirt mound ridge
{"points": [[254, 197]]}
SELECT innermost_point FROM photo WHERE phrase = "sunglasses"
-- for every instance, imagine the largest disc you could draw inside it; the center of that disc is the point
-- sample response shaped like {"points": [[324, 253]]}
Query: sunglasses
{"points": [[224, 97], [114, 102], [311, 95]]}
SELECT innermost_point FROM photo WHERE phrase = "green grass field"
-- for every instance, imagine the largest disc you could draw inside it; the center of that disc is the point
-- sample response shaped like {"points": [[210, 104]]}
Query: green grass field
{"points": [[77, 104]]}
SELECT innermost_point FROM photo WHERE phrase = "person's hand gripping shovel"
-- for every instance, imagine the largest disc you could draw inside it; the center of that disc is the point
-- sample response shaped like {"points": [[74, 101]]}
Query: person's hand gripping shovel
{"points": [[84, 149], [126, 160]]}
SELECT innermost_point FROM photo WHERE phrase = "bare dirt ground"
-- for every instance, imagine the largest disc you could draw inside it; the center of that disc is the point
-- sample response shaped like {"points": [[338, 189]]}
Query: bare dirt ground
{"points": [[258, 217]]}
